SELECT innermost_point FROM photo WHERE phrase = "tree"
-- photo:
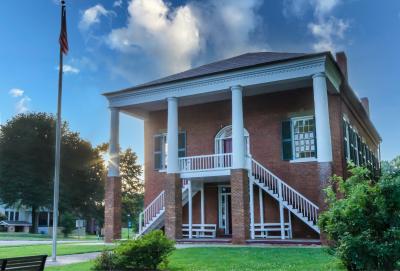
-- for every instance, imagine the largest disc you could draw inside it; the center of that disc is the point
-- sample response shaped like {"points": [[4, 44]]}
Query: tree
{"points": [[27, 166], [132, 186], [363, 220], [68, 223]]}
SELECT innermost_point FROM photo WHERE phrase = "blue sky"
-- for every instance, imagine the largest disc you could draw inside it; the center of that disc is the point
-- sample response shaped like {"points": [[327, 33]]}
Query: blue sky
{"points": [[116, 44]]}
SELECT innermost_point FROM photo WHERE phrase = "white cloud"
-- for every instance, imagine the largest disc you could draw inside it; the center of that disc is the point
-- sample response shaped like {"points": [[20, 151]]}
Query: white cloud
{"points": [[22, 105], [92, 16], [117, 3], [175, 37], [69, 69], [16, 92], [327, 30]]}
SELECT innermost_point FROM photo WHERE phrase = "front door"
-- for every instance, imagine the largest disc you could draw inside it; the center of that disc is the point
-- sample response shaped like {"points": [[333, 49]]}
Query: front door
{"points": [[224, 206]]}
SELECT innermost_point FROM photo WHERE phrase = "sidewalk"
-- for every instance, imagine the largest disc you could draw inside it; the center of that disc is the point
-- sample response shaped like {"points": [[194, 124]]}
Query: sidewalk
{"points": [[70, 259]]}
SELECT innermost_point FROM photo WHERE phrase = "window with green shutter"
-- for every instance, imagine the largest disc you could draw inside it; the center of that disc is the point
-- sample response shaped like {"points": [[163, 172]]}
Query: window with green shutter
{"points": [[160, 149]]}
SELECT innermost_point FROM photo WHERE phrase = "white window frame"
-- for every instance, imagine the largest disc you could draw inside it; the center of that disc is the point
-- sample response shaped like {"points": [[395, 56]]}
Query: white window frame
{"points": [[164, 149], [307, 159]]}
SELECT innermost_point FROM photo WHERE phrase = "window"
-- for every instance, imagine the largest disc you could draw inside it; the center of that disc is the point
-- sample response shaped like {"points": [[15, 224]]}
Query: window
{"points": [[16, 216], [160, 149], [304, 138], [357, 150], [298, 139]]}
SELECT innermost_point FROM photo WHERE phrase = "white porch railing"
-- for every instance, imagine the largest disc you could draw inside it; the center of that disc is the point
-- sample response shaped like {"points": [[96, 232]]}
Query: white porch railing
{"points": [[155, 209], [205, 162], [292, 199]]}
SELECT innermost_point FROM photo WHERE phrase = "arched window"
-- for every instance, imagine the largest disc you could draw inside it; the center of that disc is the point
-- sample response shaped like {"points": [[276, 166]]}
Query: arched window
{"points": [[223, 140]]}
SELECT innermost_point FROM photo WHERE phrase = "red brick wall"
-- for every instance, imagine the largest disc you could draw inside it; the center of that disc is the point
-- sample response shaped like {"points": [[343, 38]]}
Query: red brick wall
{"points": [[263, 115]]}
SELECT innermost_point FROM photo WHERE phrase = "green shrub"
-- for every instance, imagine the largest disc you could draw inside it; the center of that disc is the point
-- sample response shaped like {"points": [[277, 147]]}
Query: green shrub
{"points": [[67, 223], [145, 253], [363, 220], [105, 262]]}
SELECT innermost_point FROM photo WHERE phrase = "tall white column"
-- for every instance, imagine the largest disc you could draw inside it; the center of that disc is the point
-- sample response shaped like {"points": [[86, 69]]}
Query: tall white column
{"points": [[113, 165], [172, 136], [281, 213], [238, 142], [190, 206], [322, 127]]}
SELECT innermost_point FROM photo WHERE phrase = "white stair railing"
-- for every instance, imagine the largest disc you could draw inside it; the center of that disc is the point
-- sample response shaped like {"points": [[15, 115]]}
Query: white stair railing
{"points": [[155, 209], [205, 162], [294, 201]]}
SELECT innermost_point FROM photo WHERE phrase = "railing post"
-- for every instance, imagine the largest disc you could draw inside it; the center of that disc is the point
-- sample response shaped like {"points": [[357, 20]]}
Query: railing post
{"points": [[190, 207], [251, 188], [281, 213]]}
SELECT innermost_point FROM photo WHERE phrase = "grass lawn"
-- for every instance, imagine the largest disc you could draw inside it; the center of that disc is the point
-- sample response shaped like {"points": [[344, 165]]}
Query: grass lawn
{"points": [[5, 236], [242, 258], [62, 249]]}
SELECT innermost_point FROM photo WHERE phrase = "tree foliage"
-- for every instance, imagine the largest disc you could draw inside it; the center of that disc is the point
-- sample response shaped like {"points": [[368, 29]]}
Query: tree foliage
{"points": [[363, 220], [132, 186], [27, 166]]}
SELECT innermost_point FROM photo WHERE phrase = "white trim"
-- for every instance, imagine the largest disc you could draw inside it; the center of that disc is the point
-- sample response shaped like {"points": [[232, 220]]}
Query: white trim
{"points": [[227, 211], [226, 133], [303, 160], [216, 83], [306, 159]]}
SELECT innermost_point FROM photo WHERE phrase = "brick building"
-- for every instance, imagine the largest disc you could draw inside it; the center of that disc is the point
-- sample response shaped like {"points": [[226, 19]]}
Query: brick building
{"points": [[241, 148]]}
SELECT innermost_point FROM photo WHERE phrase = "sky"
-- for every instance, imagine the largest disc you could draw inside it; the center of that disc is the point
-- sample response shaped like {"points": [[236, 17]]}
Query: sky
{"points": [[116, 44]]}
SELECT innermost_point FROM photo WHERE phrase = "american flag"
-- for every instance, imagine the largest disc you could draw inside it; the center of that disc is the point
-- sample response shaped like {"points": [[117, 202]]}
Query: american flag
{"points": [[63, 34]]}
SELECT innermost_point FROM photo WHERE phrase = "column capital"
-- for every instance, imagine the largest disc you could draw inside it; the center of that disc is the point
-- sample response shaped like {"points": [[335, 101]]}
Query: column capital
{"points": [[319, 74], [172, 99], [236, 87]]}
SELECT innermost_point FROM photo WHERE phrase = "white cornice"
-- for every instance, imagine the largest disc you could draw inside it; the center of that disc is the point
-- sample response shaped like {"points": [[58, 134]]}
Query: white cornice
{"points": [[214, 83]]}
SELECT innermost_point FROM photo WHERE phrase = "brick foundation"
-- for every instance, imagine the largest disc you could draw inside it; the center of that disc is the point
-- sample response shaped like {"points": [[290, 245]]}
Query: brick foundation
{"points": [[240, 206], [173, 206], [112, 209], [325, 173]]}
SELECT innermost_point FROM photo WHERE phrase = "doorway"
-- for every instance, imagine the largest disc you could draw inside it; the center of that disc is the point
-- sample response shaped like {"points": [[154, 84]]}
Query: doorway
{"points": [[224, 209]]}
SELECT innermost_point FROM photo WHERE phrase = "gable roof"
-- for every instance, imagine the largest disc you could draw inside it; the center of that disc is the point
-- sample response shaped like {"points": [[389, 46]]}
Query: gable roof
{"points": [[230, 64]]}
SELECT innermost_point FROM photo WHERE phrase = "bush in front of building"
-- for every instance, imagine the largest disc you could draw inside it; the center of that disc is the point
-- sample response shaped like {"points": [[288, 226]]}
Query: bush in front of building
{"points": [[145, 253], [67, 223], [363, 220]]}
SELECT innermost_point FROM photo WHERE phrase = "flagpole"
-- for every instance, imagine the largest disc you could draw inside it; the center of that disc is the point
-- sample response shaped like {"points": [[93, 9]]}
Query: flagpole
{"points": [[57, 149]]}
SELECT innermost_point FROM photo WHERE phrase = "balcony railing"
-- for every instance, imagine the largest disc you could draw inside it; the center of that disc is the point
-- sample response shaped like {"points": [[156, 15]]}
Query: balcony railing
{"points": [[205, 162]]}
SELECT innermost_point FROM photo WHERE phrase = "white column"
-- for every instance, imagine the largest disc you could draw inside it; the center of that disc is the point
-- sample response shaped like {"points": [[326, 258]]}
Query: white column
{"points": [[172, 136], [202, 214], [238, 142], [251, 188], [113, 165], [190, 205], [261, 202], [322, 127]]}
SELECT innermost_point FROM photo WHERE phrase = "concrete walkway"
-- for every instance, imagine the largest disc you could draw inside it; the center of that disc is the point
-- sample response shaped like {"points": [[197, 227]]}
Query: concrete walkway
{"points": [[74, 258]]}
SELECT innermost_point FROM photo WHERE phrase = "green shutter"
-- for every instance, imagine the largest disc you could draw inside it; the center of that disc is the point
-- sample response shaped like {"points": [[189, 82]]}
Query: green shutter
{"points": [[158, 142], [182, 144], [287, 150]]}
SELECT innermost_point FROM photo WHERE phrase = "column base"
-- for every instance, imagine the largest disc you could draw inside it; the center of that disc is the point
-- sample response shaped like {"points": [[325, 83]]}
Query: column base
{"points": [[240, 206], [112, 209], [173, 206]]}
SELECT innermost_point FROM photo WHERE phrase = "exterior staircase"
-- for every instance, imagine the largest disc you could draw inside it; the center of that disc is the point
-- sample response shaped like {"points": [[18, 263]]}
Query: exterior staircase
{"points": [[153, 216], [291, 199]]}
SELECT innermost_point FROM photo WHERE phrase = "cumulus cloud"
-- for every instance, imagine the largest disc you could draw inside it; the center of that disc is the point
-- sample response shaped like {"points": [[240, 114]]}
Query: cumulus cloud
{"points": [[69, 69], [328, 30], [117, 3], [92, 16], [174, 37], [22, 104], [16, 92]]}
